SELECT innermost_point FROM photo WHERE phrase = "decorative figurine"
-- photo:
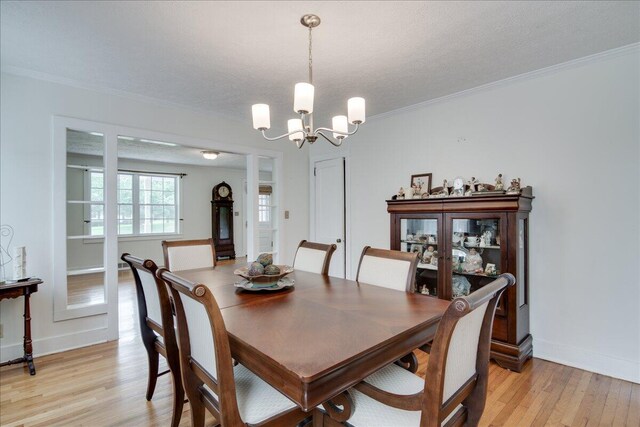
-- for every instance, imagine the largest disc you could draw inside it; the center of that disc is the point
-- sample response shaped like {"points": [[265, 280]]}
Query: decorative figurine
{"points": [[473, 263], [424, 290], [460, 286], [499, 184], [408, 193], [434, 257], [417, 190], [431, 239], [401, 193], [514, 188], [427, 255], [472, 186], [445, 187], [490, 269], [485, 240], [481, 188], [458, 187]]}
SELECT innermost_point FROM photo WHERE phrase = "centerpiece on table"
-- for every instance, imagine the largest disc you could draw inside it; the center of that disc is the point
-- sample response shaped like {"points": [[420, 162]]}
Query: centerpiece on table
{"points": [[264, 275]]}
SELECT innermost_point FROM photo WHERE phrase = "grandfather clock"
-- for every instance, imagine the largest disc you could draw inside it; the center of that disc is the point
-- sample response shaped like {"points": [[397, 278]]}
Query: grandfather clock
{"points": [[222, 220]]}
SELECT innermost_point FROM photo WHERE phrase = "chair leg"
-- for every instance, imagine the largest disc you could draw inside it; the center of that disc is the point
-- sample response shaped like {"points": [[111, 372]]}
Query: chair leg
{"points": [[197, 412], [178, 400], [153, 372]]}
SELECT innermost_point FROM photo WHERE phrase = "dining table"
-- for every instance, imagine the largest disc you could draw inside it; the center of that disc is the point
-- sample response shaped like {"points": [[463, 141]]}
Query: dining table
{"points": [[316, 339]]}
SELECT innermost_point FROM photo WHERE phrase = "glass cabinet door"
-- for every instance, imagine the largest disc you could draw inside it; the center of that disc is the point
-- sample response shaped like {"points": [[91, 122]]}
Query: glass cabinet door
{"points": [[421, 235], [476, 253]]}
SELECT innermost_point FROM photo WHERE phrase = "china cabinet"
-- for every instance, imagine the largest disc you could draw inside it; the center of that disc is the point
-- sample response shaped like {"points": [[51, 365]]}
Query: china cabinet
{"points": [[463, 244]]}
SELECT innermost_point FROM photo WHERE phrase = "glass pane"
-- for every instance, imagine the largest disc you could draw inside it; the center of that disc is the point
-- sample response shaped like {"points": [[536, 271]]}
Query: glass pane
{"points": [[156, 183], [125, 181], [85, 221], [145, 182], [169, 184], [223, 213], [476, 254], [421, 236], [125, 196]]}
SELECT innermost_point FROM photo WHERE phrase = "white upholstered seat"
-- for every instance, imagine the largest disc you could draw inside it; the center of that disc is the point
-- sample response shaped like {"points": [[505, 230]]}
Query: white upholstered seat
{"points": [[313, 257], [188, 254]]}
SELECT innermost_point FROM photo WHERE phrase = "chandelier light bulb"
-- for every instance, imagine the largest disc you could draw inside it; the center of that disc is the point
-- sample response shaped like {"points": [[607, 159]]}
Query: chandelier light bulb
{"points": [[339, 123], [303, 98], [356, 110], [261, 117], [295, 124]]}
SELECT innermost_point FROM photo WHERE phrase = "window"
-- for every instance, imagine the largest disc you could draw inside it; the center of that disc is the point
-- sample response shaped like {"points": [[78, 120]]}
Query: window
{"points": [[264, 209], [147, 204]]}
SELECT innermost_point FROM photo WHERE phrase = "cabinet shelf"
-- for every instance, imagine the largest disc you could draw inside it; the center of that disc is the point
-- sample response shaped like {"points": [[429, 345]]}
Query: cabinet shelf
{"points": [[482, 247], [465, 273]]}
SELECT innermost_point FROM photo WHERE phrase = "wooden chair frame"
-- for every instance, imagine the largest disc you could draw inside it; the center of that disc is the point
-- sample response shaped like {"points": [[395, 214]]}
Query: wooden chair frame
{"points": [[194, 376], [168, 346], [411, 257], [329, 249], [166, 244], [473, 394]]}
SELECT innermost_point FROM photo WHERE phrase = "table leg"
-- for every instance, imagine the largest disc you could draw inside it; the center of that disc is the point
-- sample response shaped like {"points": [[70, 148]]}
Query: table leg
{"points": [[340, 408], [28, 348]]}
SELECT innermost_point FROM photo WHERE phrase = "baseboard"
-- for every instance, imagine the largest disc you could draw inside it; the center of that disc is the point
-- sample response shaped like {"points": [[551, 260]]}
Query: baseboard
{"points": [[625, 369], [57, 344]]}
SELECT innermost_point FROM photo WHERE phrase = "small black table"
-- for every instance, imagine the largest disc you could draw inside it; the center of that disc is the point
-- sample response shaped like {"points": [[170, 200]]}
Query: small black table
{"points": [[15, 290]]}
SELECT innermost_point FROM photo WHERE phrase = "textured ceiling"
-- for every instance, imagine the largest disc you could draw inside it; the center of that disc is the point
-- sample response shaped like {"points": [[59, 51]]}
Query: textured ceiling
{"points": [[225, 56], [79, 142]]}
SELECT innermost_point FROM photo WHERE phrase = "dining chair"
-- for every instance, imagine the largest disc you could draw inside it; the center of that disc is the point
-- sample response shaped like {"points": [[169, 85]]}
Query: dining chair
{"points": [[188, 254], [394, 270], [157, 328], [313, 257], [233, 394], [455, 389], [387, 268]]}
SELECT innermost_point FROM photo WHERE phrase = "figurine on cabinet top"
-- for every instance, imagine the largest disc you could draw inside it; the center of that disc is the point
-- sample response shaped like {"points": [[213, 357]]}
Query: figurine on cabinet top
{"points": [[472, 186], [400, 194], [499, 184], [445, 188], [514, 188]]}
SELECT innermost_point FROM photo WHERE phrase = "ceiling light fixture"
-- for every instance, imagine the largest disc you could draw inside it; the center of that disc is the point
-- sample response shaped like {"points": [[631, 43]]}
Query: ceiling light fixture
{"points": [[210, 155], [301, 130]]}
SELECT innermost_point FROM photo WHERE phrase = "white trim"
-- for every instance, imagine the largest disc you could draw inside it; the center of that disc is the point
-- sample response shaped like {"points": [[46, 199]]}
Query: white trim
{"points": [[625, 369], [57, 344], [607, 54]]}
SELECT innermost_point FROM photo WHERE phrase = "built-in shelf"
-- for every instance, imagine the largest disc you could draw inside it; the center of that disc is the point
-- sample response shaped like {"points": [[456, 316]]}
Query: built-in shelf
{"points": [[83, 202]]}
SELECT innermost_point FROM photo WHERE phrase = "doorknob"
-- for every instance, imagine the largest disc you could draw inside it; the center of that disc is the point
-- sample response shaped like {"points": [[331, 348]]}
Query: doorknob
{"points": [[338, 240]]}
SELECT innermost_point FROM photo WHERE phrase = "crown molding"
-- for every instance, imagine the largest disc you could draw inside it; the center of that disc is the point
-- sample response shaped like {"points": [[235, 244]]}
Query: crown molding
{"points": [[574, 63], [51, 78]]}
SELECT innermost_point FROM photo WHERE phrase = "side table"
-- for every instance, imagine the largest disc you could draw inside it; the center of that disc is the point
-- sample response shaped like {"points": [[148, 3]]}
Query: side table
{"points": [[15, 290]]}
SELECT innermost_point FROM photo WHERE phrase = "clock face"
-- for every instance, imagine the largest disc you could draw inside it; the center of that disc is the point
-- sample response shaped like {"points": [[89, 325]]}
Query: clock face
{"points": [[223, 191]]}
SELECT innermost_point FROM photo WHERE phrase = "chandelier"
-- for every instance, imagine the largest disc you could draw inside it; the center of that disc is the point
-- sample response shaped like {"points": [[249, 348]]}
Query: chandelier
{"points": [[301, 130]]}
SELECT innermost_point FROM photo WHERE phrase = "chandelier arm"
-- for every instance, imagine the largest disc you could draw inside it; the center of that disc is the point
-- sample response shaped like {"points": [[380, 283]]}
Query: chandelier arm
{"points": [[282, 136], [335, 144], [317, 131]]}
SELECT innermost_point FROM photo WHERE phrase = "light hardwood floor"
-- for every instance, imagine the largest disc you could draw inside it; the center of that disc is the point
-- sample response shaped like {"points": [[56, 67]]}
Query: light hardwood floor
{"points": [[104, 385]]}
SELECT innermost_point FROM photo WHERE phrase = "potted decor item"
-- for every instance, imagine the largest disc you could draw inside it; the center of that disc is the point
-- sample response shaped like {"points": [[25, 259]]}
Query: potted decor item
{"points": [[263, 275]]}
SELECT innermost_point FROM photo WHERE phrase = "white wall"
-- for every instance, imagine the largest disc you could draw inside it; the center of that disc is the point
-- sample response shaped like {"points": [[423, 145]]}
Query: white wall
{"points": [[26, 109], [573, 134]]}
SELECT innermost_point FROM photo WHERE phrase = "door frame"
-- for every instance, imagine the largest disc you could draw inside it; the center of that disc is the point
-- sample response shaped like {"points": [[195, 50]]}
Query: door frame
{"points": [[313, 159]]}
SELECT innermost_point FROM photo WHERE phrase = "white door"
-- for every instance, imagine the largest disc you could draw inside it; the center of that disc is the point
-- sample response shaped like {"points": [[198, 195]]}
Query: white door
{"points": [[329, 210]]}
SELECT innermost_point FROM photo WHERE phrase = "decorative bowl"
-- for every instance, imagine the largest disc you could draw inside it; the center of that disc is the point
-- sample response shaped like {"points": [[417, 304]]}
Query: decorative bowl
{"points": [[264, 278]]}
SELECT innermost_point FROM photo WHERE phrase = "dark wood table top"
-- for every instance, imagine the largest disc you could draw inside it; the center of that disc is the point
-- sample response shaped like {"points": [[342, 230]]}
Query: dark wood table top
{"points": [[323, 336]]}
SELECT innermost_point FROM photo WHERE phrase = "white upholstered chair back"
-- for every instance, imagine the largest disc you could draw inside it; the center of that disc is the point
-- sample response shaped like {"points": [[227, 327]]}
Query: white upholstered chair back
{"points": [[151, 297], [188, 254], [313, 257], [463, 351], [200, 335], [389, 269]]}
